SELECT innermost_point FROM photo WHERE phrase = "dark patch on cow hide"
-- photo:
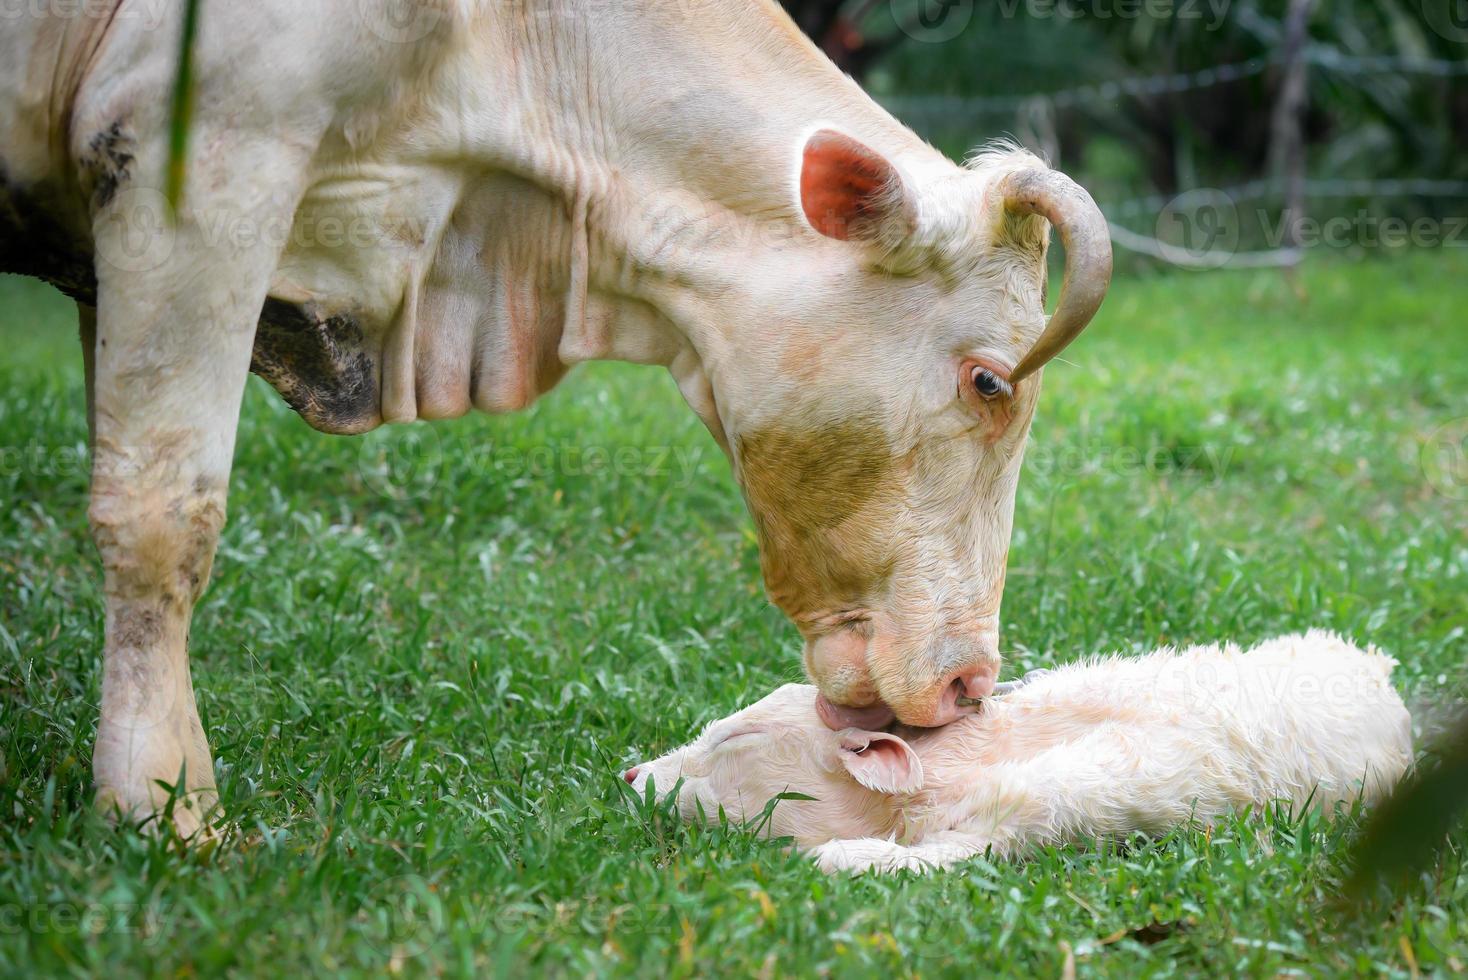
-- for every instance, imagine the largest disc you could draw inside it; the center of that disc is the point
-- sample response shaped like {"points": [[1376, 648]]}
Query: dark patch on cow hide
{"points": [[138, 628], [138, 635], [108, 160], [816, 478], [34, 243], [814, 494], [319, 365], [201, 514]]}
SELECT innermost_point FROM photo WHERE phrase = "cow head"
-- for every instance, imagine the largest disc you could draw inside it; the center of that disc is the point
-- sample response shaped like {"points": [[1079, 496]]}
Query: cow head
{"points": [[877, 411]]}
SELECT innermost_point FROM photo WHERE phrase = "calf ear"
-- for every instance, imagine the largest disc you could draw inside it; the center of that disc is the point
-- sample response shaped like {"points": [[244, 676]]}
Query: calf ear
{"points": [[851, 192], [881, 762]]}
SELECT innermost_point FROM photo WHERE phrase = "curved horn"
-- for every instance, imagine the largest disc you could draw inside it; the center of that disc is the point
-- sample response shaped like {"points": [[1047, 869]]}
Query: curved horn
{"points": [[1087, 240]]}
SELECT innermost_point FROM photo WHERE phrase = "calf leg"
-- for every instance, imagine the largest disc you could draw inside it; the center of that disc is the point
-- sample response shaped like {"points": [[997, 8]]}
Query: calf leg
{"points": [[173, 343], [884, 856]]}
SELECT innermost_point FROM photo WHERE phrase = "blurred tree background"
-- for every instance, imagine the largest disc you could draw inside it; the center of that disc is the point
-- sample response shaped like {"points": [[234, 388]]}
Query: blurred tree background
{"points": [[1159, 97]]}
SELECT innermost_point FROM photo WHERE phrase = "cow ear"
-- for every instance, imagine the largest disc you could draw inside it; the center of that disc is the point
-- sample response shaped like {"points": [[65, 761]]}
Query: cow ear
{"points": [[849, 191], [881, 762]]}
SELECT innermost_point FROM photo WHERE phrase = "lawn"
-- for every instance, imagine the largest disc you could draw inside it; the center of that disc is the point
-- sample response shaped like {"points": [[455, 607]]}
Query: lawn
{"points": [[427, 654]]}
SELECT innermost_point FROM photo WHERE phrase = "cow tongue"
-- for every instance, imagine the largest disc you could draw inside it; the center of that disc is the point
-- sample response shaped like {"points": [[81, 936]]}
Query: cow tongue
{"points": [[872, 718]]}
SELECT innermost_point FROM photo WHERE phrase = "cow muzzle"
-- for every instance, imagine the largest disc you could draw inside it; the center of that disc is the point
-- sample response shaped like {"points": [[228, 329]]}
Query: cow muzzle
{"points": [[865, 684]]}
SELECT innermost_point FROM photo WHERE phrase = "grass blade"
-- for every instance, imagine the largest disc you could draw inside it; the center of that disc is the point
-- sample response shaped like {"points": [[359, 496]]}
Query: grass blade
{"points": [[183, 105]]}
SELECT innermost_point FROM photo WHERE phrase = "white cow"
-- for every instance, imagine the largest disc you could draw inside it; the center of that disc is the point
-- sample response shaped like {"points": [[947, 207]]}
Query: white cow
{"points": [[1093, 750], [404, 209]]}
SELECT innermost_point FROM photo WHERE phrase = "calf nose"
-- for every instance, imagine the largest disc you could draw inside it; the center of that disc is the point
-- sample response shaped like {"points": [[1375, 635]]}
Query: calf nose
{"points": [[630, 775]]}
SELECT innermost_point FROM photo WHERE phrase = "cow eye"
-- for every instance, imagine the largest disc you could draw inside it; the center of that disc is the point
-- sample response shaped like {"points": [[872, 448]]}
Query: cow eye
{"points": [[988, 384]]}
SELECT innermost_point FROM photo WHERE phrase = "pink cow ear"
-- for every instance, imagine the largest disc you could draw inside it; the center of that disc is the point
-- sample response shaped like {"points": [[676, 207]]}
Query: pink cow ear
{"points": [[881, 762], [849, 191]]}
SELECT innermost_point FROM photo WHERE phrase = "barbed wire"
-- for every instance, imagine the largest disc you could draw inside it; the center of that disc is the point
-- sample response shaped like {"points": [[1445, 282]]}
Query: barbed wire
{"points": [[1383, 64], [955, 105], [1219, 199], [1318, 188], [1202, 258], [1167, 84], [960, 109]]}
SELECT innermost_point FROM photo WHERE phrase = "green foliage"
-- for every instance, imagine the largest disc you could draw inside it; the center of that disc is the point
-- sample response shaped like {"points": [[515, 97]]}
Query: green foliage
{"points": [[420, 700], [181, 117], [1413, 828], [1362, 122]]}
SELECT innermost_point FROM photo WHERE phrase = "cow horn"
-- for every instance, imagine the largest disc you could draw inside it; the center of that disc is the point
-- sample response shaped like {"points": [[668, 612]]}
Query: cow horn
{"points": [[1087, 240]]}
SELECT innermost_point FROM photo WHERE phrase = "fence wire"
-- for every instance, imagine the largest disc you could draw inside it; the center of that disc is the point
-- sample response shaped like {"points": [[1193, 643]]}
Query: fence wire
{"points": [[950, 106], [968, 111]]}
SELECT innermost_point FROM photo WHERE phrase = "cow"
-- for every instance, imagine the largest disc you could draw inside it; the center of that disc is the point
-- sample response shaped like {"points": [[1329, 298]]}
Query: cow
{"points": [[406, 209], [1098, 749]]}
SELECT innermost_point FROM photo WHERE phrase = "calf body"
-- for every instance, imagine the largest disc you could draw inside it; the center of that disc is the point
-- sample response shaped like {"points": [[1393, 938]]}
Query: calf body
{"points": [[1098, 749]]}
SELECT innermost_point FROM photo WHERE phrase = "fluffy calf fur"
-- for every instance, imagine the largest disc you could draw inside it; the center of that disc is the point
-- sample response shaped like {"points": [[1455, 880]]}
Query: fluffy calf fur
{"points": [[1100, 748]]}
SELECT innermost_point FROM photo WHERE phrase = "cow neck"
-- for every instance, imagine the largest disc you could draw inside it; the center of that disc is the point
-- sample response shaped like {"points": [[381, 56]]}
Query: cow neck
{"points": [[674, 146]]}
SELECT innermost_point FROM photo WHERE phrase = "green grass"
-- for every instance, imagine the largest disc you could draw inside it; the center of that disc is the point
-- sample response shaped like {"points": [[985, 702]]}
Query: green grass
{"points": [[420, 700]]}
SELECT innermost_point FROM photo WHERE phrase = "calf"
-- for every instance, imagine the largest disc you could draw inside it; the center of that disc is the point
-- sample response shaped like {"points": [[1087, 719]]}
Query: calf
{"points": [[1096, 749]]}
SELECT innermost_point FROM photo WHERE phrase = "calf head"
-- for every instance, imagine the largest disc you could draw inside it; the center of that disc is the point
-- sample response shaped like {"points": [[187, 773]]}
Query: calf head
{"points": [[877, 406], [855, 779]]}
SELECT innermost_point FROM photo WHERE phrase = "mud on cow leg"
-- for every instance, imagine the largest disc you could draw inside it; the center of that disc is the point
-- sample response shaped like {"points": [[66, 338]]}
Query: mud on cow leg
{"points": [[174, 328], [156, 530], [166, 402]]}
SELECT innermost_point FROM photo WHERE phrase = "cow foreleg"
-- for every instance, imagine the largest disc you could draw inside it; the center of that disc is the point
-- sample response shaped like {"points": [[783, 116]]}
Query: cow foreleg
{"points": [[173, 342]]}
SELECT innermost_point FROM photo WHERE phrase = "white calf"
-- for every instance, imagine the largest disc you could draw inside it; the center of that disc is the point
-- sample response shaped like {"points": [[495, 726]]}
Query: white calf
{"points": [[1096, 749]]}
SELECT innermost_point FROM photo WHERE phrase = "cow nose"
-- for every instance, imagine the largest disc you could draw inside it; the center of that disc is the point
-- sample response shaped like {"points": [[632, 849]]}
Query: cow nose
{"points": [[630, 775], [972, 686], [958, 693], [964, 691]]}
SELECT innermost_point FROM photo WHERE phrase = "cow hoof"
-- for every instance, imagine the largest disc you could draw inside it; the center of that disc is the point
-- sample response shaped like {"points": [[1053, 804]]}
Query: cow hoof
{"points": [[193, 817]]}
